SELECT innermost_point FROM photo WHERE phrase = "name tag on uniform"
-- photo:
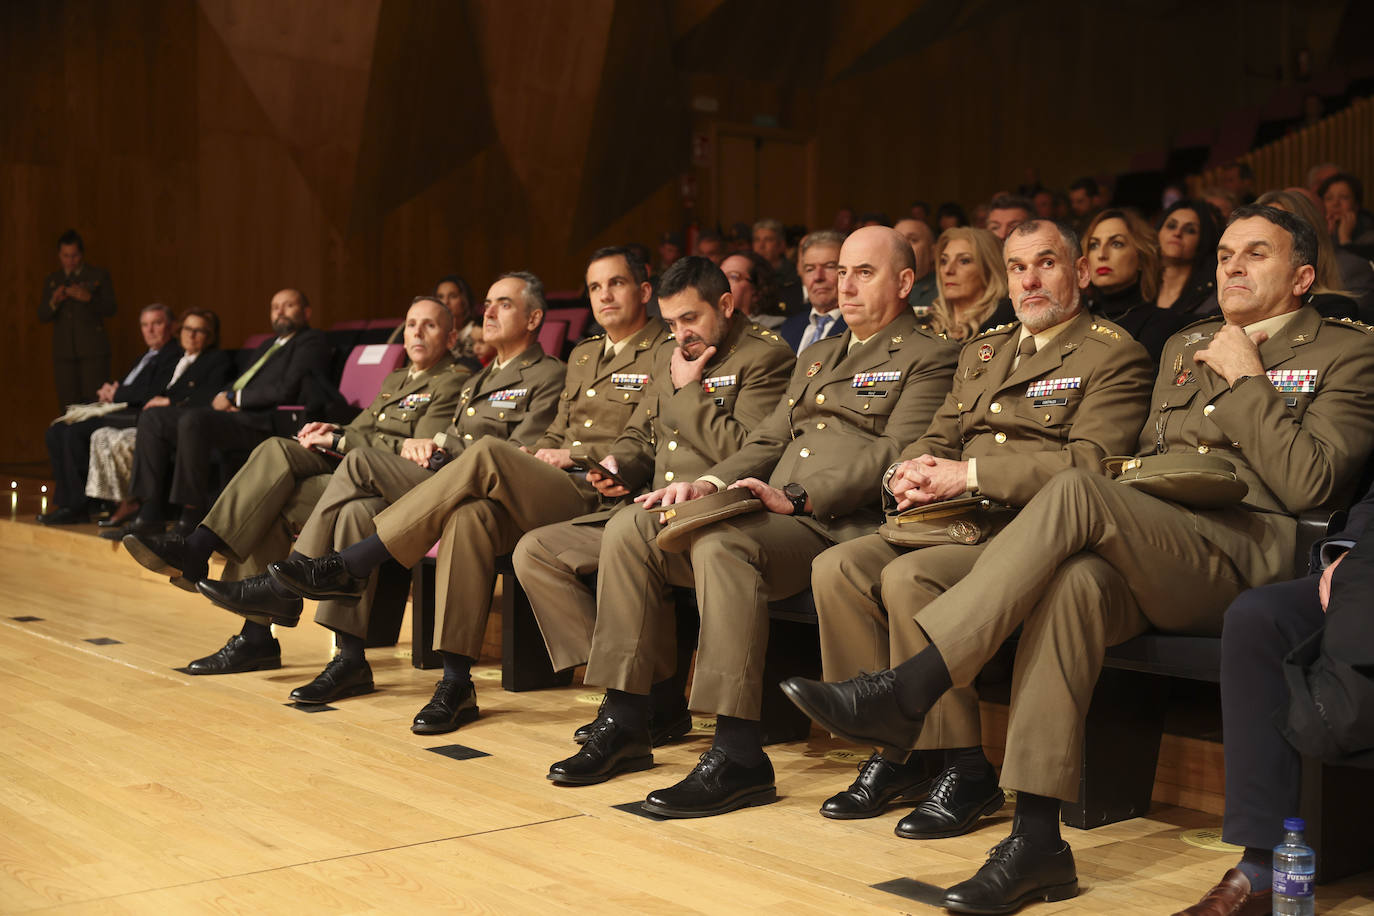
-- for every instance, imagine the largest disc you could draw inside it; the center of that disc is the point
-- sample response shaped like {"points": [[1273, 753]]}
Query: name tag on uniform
{"points": [[720, 381], [1293, 381], [1050, 385], [629, 381], [1050, 402], [872, 379], [508, 397], [415, 400]]}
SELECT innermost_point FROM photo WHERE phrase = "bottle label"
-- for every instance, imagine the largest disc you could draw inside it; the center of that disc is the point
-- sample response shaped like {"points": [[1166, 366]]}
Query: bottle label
{"points": [[1292, 884]]}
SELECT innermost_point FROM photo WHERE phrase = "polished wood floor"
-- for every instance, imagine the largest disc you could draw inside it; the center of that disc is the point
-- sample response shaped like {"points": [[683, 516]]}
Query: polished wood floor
{"points": [[128, 787]]}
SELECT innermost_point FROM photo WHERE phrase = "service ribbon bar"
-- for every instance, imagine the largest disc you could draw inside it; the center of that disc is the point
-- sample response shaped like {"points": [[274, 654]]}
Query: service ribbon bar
{"points": [[720, 381], [872, 379], [1046, 386], [1293, 381]]}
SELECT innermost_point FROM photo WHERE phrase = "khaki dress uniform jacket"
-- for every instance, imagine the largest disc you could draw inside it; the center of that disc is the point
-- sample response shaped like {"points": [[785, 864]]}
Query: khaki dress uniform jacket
{"points": [[479, 505], [80, 346], [515, 402], [675, 434], [844, 419], [1090, 562], [273, 493], [1082, 397]]}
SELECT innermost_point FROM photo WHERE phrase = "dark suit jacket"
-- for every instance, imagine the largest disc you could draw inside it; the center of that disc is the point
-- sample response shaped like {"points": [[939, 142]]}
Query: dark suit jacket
{"points": [[210, 374], [793, 328], [79, 327], [280, 380], [154, 377]]}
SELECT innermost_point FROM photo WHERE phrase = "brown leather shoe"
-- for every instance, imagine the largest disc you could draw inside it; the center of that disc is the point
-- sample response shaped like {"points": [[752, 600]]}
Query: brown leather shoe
{"points": [[1232, 897]]}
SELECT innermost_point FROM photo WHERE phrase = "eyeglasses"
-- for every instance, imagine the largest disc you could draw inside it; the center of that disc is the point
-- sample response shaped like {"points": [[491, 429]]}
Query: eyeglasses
{"points": [[191, 329]]}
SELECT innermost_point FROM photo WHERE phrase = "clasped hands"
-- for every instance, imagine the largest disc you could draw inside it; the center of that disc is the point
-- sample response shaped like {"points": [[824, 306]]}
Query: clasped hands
{"points": [[927, 479]]}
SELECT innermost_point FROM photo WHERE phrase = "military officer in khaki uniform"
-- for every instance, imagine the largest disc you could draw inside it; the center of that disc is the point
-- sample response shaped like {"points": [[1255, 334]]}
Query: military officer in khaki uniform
{"points": [[76, 300], [1061, 389], [272, 494], [851, 404], [478, 505], [1279, 392], [707, 394]]}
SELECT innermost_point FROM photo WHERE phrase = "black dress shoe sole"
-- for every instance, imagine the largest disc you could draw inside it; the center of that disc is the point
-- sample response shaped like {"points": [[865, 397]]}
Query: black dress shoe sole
{"points": [[842, 732], [466, 715], [355, 690], [748, 798], [263, 664], [906, 796], [279, 620], [992, 806], [628, 765], [1050, 894]]}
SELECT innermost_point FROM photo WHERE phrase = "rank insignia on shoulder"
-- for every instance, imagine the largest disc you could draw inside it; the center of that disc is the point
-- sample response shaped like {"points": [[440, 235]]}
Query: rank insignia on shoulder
{"points": [[1106, 331], [897, 339], [582, 360], [629, 381], [643, 345], [985, 352], [871, 379], [1293, 381], [1045, 386], [813, 369], [719, 381]]}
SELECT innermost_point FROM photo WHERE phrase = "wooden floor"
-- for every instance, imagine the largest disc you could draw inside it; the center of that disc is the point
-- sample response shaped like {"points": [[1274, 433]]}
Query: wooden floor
{"points": [[128, 787]]}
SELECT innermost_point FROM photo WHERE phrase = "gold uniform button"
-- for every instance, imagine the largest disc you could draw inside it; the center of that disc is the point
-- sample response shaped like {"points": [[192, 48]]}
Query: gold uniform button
{"points": [[472, 410], [668, 475], [587, 422], [1202, 449], [820, 399], [820, 426], [960, 405], [501, 415], [591, 392], [791, 401], [467, 436], [866, 404], [381, 416], [805, 453], [1207, 411], [577, 442], [1000, 438], [995, 407], [672, 446], [1047, 418], [627, 395]]}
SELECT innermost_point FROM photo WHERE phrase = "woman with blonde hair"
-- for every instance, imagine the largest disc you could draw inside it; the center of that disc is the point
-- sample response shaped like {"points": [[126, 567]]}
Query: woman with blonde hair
{"points": [[1327, 294], [971, 284], [1124, 272]]}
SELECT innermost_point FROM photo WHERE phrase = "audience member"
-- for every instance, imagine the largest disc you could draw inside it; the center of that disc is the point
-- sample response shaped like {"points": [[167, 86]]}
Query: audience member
{"points": [[1328, 294], [76, 300], [1222, 199], [453, 291], [201, 371], [1188, 233], [1005, 213], [1238, 180], [770, 243], [820, 449], [669, 250], [740, 238], [711, 246], [843, 222], [1082, 193], [819, 255], [1090, 562], [1318, 174], [1347, 221], [919, 211], [1044, 204], [950, 215], [172, 452], [972, 284], [1124, 267], [752, 286], [69, 437], [922, 241], [868, 590], [978, 217]]}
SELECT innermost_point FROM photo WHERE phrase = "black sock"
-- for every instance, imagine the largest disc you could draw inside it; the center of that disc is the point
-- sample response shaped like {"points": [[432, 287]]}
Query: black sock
{"points": [[629, 709], [362, 558], [921, 680], [928, 762], [1037, 819], [350, 646], [969, 762], [668, 699], [740, 739], [256, 634], [201, 543], [1258, 866], [456, 667]]}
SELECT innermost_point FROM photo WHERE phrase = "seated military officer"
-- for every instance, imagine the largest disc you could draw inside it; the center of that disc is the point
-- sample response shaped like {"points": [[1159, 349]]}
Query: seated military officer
{"points": [[1275, 389], [479, 504], [252, 521], [1054, 390], [708, 393], [851, 403]]}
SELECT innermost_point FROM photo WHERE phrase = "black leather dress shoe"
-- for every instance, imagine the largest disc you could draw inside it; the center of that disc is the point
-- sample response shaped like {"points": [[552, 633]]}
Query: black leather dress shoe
{"points": [[239, 655], [953, 807], [611, 749], [133, 526], [318, 578], [881, 783], [252, 597], [341, 678], [716, 785], [65, 516], [1015, 874], [862, 709], [662, 729], [165, 554], [454, 703]]}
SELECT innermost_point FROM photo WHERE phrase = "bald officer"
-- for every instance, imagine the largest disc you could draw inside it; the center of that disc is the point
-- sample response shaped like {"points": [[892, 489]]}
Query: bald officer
{"points": [[252, 521], [496, 491], [708, 393], [1279, 392], [1055, 390], [852, 403]]}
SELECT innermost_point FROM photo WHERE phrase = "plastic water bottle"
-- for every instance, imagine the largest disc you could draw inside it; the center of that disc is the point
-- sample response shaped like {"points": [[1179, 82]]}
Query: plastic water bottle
{"points": [[1295, 866]]}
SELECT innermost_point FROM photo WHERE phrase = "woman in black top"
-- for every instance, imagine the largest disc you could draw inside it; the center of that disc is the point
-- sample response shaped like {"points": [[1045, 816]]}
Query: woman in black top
{"points": [[1124, 273], [1188, 233]]}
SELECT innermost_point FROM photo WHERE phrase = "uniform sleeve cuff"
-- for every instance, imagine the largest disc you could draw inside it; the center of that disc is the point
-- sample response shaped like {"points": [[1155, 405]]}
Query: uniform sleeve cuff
{"points": [[713, 481], [440, 439], [972, 477]]}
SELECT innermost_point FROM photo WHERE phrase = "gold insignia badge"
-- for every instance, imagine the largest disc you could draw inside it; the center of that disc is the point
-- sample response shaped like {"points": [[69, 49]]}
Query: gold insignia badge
{"points": [[582, 360], [985, 352], [1300, 338], [1178, 363], [897, 339], [962, 532], [814, 368]]}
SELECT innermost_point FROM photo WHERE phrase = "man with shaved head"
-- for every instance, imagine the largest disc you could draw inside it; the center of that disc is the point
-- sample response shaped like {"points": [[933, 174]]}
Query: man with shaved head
{"points": [[852, 403]]}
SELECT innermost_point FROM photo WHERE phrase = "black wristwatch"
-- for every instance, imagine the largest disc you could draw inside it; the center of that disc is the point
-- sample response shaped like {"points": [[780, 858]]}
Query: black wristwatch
{"points": [[797, 494]]}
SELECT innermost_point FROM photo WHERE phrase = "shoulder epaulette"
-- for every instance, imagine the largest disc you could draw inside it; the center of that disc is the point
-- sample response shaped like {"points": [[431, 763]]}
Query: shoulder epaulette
{"points": [[997, 330], [1208, 320], [1350, 323], [1106, 330]]}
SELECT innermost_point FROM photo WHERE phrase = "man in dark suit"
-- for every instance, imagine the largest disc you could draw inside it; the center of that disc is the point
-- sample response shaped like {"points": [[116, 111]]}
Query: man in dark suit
{"points": [[819, 255], [76, 300], [172, 454], [1263, 718], [69, 444]]}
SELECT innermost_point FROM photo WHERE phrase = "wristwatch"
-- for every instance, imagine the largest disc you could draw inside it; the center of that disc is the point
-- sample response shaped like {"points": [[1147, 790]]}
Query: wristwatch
{"points": [[797, 494]]}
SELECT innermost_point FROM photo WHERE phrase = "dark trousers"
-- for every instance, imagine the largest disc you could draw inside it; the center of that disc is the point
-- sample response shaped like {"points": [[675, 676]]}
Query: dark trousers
{"points": [[78, 379], [172, 451], [1263, 771], [69, 454]]}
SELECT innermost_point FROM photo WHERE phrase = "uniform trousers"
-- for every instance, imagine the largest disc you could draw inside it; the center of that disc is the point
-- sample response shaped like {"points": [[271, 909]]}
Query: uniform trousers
{"points": [[174, 445], [1263, 771], [736, 566], [1086, 564], [477, 507]]}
